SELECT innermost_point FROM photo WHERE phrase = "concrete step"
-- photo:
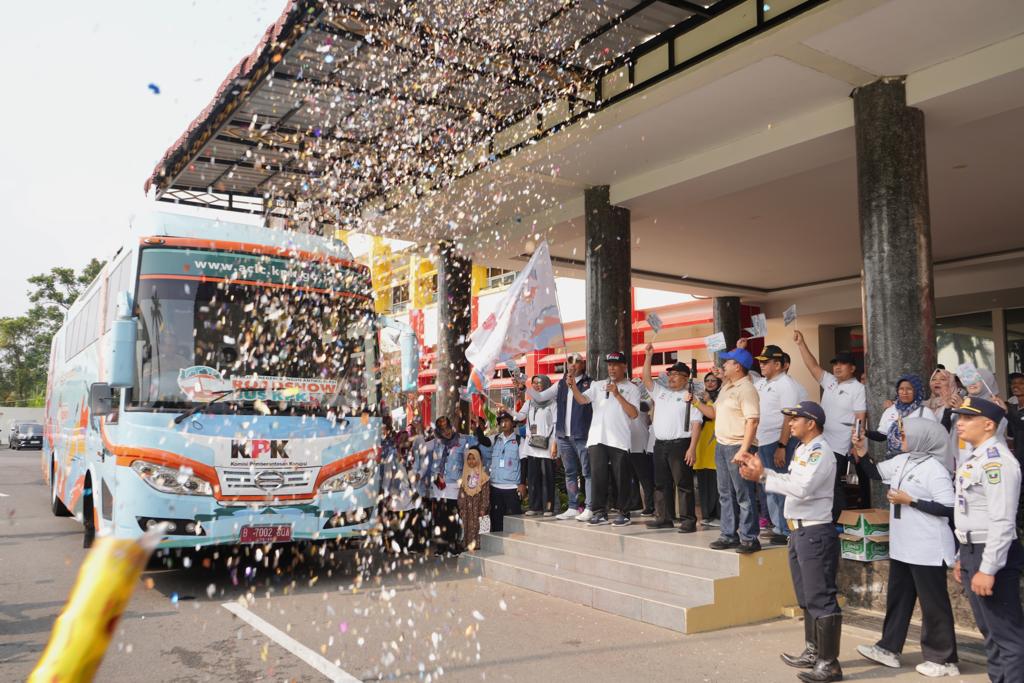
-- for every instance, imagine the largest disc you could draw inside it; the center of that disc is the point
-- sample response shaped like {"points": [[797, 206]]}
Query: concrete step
{"points": [[641, 604], [635, 542], [672, 578]]}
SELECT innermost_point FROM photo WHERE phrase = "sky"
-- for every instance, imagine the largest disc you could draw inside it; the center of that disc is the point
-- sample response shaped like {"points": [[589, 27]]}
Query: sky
{"points": [[81, 128]]}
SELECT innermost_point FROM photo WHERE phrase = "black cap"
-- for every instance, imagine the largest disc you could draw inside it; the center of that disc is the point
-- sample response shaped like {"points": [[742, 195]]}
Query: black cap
{"points": [[979, 406], [771, 352], [808, 409], [615, 357], [678, 367], [844, 357], [502, 415]]}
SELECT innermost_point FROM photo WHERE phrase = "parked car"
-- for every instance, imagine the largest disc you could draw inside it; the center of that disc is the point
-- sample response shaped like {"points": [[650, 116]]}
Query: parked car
{"points": [[26, 435]]}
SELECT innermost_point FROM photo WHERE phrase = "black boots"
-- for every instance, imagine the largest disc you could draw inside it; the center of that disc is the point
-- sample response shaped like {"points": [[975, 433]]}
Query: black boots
{"points": [[807, 658], [827, 632]]}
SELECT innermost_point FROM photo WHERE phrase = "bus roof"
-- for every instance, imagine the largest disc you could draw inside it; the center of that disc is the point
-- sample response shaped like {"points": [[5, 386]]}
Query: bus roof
{"points": [[164, 224]]}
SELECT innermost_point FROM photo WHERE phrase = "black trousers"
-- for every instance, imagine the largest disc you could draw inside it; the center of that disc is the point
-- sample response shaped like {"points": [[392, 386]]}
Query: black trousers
{"points": [[907, 584], [503, 502], [608, 463], [540, 478], [707, 489], [643, 479], [998, 615], [673, 476], [446, 517], [813, 563], [839, 494]]}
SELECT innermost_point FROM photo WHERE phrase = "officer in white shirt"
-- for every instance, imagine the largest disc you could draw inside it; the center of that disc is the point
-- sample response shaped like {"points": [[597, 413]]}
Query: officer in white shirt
{"points": [[776, 390], [616, 401], [844, 401], [991, 556], [813, 543], [675, 446]]}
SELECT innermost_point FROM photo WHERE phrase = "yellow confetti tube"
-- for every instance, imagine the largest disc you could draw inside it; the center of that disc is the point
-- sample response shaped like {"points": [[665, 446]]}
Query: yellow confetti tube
{"points": [[100, 595]]}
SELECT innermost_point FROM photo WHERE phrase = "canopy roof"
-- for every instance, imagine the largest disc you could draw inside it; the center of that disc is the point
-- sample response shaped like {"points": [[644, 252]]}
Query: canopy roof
{"points": [[347, 105]]}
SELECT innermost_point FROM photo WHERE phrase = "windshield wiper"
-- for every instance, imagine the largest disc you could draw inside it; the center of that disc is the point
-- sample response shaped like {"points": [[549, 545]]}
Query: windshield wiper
{"points": [[201, 406]]}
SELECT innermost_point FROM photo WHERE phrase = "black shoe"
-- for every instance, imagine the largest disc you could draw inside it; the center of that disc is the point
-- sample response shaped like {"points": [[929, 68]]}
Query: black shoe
{"points": [[687, 528], [778, 539], [659, 524], [598, 520], [749, 547], [724, 543], [809, 657], [622, 520], [827, 631]]}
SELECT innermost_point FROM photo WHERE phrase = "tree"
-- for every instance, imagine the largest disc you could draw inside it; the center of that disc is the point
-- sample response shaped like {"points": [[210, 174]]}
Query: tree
{"points": [[25, 339]]}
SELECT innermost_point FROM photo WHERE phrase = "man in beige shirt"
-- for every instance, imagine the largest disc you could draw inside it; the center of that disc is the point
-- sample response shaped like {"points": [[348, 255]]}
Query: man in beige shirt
{"points": [[736, 414]]}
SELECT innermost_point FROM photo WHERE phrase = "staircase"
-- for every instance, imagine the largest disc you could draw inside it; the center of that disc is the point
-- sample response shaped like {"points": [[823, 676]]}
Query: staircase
{"points": [[659, 577]]}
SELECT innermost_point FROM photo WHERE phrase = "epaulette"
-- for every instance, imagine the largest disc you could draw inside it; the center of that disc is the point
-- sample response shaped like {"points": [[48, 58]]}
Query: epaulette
{"points": [[992, 452]]}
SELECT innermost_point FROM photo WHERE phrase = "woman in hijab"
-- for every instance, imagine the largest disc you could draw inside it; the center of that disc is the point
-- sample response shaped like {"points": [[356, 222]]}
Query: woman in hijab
{"points": [[704, 465], [540, 448], [921, 546], [474, 498], [909, 403], [943, 388]]}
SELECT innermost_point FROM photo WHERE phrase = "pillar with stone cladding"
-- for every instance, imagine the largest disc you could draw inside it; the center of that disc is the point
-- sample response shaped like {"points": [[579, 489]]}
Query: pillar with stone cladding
{"points": [[895, 235], [454, 311], [608, 264]]}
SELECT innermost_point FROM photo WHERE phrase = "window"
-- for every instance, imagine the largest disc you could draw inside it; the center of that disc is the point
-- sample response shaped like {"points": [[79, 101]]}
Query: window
{"points": [[117, 282], [83, 327], [965, 339], [499, 277], [400, 297], [1015, 340]]}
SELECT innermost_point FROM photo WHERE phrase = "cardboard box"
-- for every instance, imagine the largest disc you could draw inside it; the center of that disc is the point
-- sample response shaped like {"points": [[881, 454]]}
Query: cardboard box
{"points": [[864, 548], [865, 522]]}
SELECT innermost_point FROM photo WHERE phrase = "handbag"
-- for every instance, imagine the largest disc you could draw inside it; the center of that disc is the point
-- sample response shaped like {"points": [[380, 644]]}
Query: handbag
{"points": [[537, 440]]}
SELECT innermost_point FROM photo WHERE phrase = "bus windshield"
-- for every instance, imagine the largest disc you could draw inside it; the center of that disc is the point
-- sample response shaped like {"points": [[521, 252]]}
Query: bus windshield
{"points": [[257, 333]]}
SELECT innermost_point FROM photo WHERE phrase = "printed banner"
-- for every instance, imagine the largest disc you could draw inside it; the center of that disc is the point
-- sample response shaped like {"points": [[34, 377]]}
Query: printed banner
{"points": [[654, 320], [715, 342], [789, 315], [760, 326], [203, 384]]}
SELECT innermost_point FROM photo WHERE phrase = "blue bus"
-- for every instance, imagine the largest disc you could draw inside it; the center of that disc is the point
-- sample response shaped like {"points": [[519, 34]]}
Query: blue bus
{"points": [[221, 379]]}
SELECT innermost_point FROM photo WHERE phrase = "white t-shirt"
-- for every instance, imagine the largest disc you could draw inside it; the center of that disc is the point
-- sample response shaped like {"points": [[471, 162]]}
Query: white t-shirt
{"points": [[775, 394], [917, 537], [840, 402], [801, 392], [639, 433], [670, 414], [540, 421], [891, 413], [610, 424]]}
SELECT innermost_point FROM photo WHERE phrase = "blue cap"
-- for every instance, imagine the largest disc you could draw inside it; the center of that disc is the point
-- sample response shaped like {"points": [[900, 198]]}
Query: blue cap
{"points": [[808, 409], [973, 405], [741, 356]]}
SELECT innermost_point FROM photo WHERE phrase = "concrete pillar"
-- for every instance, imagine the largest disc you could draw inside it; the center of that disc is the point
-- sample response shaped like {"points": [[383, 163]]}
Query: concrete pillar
{"points": [[454, 293], [895, 237], [726, 310], [609, 302]]}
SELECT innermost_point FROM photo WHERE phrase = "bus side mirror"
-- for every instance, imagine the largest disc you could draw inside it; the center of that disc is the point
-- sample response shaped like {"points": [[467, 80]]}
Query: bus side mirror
{"points": [[101, 399], [120, 360], [410, 351]]}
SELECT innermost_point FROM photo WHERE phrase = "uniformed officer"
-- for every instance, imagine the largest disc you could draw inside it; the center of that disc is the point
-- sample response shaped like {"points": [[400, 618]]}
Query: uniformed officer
{"points": [[991, 556], [813, 542]]}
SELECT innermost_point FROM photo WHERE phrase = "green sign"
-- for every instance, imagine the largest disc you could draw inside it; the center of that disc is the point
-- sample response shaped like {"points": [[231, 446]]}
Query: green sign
{"points": [[234, 266]]}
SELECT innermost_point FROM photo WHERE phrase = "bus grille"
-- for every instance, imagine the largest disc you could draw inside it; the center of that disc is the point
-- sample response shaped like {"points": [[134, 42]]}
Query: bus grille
{"points": [[267, 482]]}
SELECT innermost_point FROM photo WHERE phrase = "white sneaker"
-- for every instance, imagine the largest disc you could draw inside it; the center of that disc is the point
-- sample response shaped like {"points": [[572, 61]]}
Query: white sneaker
{"points": [[936, 670], [584, 516], [570, 513], [880, 655]]}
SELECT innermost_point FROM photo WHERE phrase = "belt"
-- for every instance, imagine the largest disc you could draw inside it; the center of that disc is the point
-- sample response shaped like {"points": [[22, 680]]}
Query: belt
{"points": [[794, 524], [971, 537]]}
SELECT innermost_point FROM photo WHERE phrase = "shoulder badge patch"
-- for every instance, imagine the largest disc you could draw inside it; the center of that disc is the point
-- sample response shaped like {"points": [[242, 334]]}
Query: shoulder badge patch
{"points": [[815, 457], [815, 446], [994, 472], [992, 452]]}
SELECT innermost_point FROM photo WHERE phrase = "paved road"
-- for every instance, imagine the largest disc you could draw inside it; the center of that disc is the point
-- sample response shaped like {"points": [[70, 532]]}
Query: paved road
{"points": [[424, 620]]}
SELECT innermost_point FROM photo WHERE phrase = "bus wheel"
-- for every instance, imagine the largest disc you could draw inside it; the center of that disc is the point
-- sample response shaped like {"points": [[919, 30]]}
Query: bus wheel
{"points": [[88, 520], [58, 508]]}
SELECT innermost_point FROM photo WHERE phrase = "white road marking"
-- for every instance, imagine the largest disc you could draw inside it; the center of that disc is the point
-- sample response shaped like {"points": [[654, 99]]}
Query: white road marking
{"points": [[324, 666]]}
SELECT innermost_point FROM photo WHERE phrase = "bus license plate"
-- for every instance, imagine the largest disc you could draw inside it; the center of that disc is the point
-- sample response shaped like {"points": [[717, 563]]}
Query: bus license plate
{"points": [[274, 533]]}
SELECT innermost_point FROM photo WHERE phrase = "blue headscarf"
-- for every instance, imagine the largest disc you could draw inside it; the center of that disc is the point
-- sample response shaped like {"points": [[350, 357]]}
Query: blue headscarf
{"points": [[895, 440]]}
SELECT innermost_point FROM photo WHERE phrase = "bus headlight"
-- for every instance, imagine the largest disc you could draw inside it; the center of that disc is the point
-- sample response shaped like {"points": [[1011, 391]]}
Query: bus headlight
{"points": [[169, 480], [348, 480]]}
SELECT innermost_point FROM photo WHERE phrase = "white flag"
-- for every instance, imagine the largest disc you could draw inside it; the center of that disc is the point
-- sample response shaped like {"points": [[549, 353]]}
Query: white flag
{"points": [[526, 319]]}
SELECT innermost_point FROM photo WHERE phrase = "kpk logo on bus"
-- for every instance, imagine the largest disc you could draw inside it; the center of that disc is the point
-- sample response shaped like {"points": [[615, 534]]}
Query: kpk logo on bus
{"points": [[259, 448]]}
